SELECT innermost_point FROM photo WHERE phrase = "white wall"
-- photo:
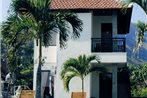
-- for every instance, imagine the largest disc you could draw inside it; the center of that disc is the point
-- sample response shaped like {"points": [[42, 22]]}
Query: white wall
{"points": [[49, 54], [112, 57], [74, 49]]}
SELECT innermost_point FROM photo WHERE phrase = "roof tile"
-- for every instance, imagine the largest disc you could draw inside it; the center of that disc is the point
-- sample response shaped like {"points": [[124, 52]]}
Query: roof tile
{"points": [[85, 4]]}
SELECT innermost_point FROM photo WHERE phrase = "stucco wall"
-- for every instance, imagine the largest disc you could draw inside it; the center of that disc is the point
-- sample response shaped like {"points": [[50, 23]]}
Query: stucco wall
{"points": [[49, 54], [74, 49]]}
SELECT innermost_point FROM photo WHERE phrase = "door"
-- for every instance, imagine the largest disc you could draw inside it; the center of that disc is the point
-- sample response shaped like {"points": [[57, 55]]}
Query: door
{"points": [[106, 85], [106, 35]]}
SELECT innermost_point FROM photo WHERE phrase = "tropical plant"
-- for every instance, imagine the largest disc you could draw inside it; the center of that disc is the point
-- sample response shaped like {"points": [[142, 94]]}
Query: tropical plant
{"points": [[141, 30], [19, 62], [142, 27], [138, 79], [79, 67], [35, 19]]}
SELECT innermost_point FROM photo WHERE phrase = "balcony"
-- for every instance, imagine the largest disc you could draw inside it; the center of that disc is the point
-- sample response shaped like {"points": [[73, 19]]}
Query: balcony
{"points": [[108, 45]]}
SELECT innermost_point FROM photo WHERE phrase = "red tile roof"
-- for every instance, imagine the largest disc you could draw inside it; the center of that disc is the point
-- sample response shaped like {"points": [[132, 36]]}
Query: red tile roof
{"points": [[85, 4]]}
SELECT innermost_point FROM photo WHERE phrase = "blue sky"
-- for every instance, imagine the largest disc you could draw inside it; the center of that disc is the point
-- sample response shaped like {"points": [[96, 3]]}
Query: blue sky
{"points": [[138, 13]]}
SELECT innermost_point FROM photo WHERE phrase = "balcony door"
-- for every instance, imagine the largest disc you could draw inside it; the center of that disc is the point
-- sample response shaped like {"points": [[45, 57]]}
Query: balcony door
{"points": [[106, 85], [106, 35]]}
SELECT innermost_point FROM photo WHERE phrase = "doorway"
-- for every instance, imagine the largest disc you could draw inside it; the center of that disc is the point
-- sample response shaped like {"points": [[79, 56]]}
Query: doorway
{"points": [[106, 35], [106, 85]]}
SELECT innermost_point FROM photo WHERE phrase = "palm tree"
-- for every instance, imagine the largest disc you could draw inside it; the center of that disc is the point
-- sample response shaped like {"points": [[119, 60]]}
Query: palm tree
{"points": [[15, 36], [79, 67], [141, 27], [34, 17], [141, 30]]}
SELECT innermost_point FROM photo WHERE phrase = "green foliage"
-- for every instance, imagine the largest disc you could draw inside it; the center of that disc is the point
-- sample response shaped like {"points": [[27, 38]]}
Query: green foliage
{"points": [[141, 30], [141, 27], [144, 92], [138, 79], [19, 62], [45, 22], [79, 67], [34, 19], [25, 76]]}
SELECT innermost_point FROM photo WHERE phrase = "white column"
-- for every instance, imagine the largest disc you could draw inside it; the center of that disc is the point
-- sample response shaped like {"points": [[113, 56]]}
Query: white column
{"points": [[114, 22], [94, 85], [114, 81]]}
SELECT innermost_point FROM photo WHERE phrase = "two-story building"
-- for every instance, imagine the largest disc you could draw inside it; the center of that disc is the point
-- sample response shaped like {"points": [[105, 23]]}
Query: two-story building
{"points": [[103, 35]]}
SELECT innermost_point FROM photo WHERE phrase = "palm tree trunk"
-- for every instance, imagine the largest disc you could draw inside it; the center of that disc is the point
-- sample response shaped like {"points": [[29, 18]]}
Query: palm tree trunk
{"points": [[38, 82], [82, 87]]}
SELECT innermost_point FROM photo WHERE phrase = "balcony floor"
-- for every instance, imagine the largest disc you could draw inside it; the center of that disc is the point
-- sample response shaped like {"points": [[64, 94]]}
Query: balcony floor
{"points": [[111, 57]]}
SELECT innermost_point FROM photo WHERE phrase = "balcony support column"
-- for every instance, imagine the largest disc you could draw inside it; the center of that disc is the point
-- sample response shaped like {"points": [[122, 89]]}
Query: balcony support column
{"points": [[114, 81], [114, 22]]}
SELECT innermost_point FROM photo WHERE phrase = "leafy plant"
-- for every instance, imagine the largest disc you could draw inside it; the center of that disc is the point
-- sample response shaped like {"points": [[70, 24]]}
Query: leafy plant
{"points": [[138, 79], [141, 30], [35, 19], [141, 26], [19, 62], [79, 67]]}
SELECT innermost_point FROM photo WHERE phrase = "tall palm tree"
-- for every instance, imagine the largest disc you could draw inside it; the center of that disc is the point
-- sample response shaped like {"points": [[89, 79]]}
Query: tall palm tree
{"points": [[141, 30], [34, 17], [79, 67]]}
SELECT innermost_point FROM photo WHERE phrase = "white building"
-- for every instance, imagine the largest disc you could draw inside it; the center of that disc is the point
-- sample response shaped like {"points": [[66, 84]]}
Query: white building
{"points": [[104, 29]]}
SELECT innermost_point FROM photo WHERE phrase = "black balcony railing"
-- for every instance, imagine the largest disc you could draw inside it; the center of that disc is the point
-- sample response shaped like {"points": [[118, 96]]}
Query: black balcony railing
{"points": [[108, 45]]}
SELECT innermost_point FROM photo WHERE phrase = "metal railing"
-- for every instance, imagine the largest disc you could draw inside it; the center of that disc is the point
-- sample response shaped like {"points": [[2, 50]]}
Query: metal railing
{"points": [[108, 45]]}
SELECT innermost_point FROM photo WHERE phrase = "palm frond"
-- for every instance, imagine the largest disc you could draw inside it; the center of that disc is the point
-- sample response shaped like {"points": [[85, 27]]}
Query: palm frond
{"points": [[75, 22], [141, 29], [91, 58], [22, 6], [16, 30], [68, 72], [49, 22], [64, 33], [68, 25], [80, 67], [66, 81], [71, 63], [66, 75]]}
